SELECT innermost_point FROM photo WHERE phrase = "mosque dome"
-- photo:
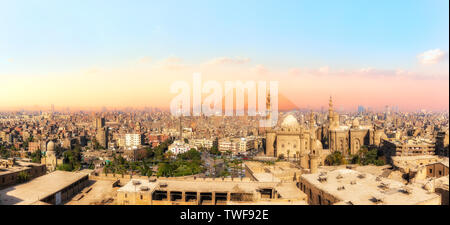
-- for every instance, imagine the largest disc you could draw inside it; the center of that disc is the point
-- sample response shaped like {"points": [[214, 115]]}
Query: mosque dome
{"points": [[355, 123], [50, 146], [290, 121], [317, 145]]}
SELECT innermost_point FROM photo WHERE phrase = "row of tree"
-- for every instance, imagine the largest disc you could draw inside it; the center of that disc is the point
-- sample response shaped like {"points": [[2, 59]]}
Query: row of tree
{"points": [[365, 156]]}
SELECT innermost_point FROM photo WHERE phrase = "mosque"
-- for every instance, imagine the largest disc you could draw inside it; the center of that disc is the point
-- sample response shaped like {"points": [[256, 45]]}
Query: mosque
{"points": [[50, 158], [304, 143]]}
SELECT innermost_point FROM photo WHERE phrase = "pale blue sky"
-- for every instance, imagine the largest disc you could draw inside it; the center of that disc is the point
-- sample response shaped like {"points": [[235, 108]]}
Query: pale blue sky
{"points": [[51, 36]]}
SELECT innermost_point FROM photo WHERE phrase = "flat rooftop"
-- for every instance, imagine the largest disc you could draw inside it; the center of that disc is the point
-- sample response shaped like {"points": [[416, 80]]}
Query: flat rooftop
{"points": [[39, 188], [19, 166], [415, 157], [286, 190], [364, 188], [276, 172]]}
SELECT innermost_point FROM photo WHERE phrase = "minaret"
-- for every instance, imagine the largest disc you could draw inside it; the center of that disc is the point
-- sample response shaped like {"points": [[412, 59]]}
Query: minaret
{"points": [[270, 134], [330, 109], [268, 108], [312, 122], [181, 126], [312, 130]]}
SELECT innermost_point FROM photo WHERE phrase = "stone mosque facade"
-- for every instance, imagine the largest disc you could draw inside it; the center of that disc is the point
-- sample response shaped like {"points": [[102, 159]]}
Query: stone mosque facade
{"points": [[305, 142], [294, 141], [50, 158]]}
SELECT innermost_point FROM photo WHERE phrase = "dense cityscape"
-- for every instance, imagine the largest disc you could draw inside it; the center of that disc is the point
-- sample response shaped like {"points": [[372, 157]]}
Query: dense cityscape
{"points": [[224, 112], [152, 157]]}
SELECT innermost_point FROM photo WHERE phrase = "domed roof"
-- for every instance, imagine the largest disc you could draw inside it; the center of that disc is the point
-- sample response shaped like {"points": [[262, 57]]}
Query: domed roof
{"points": [[355, 123], [50, 146], [289, 121], [317, 145]]}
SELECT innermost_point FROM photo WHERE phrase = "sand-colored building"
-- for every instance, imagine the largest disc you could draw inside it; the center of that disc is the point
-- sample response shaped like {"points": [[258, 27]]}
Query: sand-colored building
{"points": [[410, 147], [207, 191], [50, 158], [54, 188], [272, 172], [10, 171], [350, 187], [421, 167], [294, 140]]}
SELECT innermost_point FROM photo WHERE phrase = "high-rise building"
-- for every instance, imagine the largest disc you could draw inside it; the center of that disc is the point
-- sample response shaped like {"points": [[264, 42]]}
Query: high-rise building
{"points": [[102, 137], [99, 122], [133, 140], [361, 109]]}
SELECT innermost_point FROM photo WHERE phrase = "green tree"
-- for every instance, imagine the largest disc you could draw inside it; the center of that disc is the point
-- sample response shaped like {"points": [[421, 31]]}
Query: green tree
{"points": [[334, 159], [165, 170], [23, 176]]}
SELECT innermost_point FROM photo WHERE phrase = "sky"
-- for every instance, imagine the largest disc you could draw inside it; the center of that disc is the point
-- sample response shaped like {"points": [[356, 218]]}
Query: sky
{"points": [[94, 54]]}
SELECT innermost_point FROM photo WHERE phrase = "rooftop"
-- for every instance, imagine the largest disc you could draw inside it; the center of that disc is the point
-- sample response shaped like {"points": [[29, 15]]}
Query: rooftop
{"points": [[361, 188], [39, 188], [286, 190]]}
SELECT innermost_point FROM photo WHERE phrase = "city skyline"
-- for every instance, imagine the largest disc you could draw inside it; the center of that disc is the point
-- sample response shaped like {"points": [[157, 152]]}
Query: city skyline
{"points": [[361, 53]]}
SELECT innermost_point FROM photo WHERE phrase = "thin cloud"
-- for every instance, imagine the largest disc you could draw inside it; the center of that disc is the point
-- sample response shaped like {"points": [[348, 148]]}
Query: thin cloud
{"points": [[324, 70], [295, 72], [259, 69], [373, 72], [172, 63], [144, 60], [431, 56], [228, 61]]}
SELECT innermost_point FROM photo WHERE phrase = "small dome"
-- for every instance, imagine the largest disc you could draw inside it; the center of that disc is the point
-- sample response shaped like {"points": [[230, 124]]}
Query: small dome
{"points": [[355, 123], [317, 145], [50, 146], [290, 121]]}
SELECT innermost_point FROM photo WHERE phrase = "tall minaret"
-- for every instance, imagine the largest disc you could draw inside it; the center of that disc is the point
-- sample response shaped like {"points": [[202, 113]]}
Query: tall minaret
{"points": [[330, 109], [181, 126], [270, 134], [312, 130], [312, 121], [268, 108]]}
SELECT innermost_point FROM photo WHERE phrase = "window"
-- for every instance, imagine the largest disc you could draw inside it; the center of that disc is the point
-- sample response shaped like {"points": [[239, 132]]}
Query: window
{"points": [[142, 197], [431, 170], [440, 173]]}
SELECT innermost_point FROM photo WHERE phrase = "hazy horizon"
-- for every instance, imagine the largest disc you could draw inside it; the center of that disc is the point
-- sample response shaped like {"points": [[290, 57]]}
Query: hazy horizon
{"points": [[72, 54]]}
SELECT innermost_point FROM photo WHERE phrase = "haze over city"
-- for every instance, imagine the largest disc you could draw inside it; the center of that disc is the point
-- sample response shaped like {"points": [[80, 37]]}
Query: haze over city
{"points": [[363, 53], [256, 104]]}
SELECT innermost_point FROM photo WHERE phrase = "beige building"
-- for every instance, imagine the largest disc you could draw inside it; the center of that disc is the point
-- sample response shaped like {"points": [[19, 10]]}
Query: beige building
{"points": [[409, 147], [10, 171], [50, 159], [54, 188], [350, 187], [207, 191], [296, 141], [293, 141], [349, 139]]}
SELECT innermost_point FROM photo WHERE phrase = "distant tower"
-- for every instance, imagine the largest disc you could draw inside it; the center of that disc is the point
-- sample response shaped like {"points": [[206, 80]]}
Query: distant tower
{"points": [[268, 108], [99, 122], [312, 121], [270, 134], [181, 126], [330, 109]]}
